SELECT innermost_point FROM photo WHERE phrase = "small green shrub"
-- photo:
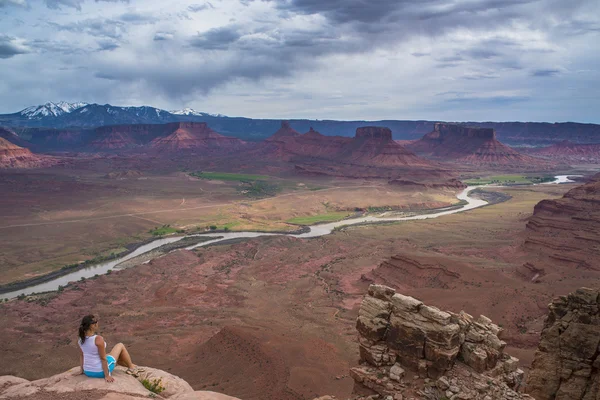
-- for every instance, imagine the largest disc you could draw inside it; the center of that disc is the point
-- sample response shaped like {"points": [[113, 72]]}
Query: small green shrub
{"points": [[213, 227], [153, 385]]}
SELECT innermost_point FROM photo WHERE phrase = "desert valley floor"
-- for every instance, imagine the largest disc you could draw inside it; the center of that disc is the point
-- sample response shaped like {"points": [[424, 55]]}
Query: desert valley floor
{"points": [[274, 317], [286, 308]]}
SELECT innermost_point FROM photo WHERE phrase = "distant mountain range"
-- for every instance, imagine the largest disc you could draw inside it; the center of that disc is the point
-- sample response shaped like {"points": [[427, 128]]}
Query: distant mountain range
{"points": [[62, 115]]}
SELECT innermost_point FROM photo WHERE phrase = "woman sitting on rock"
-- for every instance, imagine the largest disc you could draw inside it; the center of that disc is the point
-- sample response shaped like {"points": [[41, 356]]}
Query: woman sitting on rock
{"points": [[95, 363]]}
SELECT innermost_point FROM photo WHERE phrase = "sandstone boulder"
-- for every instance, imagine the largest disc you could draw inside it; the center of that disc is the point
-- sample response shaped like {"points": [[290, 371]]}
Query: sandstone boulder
{"points": [[124, 387], [567, 362]]}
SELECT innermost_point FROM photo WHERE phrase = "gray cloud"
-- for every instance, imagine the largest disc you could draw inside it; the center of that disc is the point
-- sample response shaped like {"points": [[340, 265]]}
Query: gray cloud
{"points": [[97, 27], [200, 7], [543, 73], [11, 46], [107, 45], [58, 4], [18, 3], [160, 36], [217, 38], [54, 46], [486, 49], [138, 18]]}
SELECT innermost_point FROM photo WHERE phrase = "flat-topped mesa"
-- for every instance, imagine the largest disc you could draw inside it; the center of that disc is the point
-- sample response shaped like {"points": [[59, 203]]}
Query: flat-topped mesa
{"points": [[567, 362], [187, 125], [449, 130], [398, 333], [373, 132]]}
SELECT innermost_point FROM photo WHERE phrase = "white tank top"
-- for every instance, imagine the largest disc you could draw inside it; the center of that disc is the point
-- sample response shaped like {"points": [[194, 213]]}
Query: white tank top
{"points": [[91, 357]]}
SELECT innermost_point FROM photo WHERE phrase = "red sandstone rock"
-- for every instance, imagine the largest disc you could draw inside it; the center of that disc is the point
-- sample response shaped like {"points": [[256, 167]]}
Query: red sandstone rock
{"points": [[13, 156], [567, 362], [373, 132], [475, 146], [564, 234], [285, 131], [570, 152], [194, 135]]}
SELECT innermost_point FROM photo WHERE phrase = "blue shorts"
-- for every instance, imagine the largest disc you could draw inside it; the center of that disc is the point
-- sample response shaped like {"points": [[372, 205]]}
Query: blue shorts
{"points": [[112, 363]]}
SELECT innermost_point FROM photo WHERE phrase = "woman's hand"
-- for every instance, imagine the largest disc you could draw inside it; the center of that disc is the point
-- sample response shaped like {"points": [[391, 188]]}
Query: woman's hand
{"points": [[109, 379]]}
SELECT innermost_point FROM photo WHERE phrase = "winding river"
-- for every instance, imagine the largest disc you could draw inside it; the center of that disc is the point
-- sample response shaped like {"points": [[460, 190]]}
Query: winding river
{"points": [[315, 231]]}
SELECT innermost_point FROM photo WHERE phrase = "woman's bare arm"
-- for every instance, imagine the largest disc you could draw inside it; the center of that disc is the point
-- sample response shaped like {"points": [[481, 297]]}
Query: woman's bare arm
{"points": [[80, 359], [102, 352]]}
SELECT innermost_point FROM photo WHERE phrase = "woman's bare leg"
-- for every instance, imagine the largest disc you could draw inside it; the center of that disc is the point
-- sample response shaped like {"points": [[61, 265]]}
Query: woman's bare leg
{"points": [[120, 353]]}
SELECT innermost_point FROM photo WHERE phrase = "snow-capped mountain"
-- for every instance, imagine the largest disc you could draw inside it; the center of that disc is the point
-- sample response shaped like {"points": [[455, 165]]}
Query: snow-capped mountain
{"points": [[50, 109], [191, 111]]}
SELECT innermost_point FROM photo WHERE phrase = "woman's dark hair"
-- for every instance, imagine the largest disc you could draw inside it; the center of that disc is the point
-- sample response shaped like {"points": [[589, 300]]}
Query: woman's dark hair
{"points": [[86, 322]]}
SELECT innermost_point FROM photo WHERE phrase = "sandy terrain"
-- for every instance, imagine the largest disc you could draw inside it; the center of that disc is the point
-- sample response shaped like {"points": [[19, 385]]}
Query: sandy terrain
{"points": [[55, 217], [276, 315]]}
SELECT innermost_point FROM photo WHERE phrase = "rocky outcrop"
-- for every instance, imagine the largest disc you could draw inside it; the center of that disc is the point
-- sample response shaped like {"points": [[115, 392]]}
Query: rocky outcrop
{"points": [[474, 146], [370, 154], [373, 132], [194, 136], [567, 362], [124, 387], [564, 234], [285, 131], [399, 333], [13, 156]]}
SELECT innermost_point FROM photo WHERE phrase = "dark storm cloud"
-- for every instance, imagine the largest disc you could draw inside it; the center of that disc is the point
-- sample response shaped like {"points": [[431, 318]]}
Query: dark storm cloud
{"points": [[163, 36], [9, 47], [138, 18], [392, 11], [479, 76], [269, 49], [544, 73], [58, 4], [200, 7], [97, 27], [18, 3], [54, 46], [217, 38], [107, 45]]}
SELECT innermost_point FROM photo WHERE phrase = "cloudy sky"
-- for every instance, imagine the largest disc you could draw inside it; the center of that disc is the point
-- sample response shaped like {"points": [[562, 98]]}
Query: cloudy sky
{"points": [[501, 60]]}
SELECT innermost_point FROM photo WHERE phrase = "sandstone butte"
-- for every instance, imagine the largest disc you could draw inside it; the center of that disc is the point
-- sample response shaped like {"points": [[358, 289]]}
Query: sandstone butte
{"points": [[408, 350], [474, 146], [563, 234], [372, 146], [13, 156], [163, 137], [194, 135]]}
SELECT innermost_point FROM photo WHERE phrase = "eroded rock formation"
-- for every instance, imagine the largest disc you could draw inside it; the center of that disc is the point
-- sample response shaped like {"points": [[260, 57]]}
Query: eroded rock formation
{"points": [[124, 387], [564, 234], [373, 132], [475, 146], [193, 136], [567, 362], [13, 156], [399, 333]]}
